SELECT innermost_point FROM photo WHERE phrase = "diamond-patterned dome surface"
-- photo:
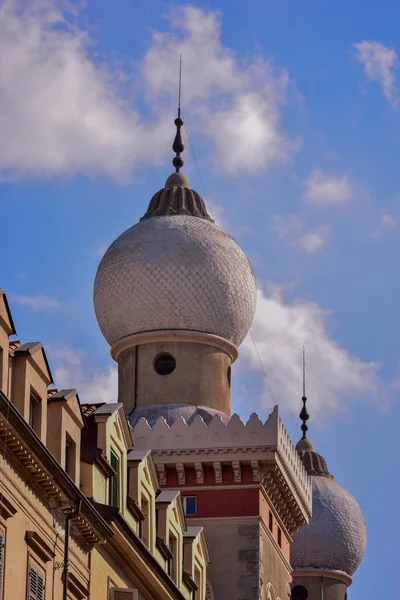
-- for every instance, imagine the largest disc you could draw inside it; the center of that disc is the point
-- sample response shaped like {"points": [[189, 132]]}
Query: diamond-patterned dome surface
{"points": [[175, 272], [336, 536]]}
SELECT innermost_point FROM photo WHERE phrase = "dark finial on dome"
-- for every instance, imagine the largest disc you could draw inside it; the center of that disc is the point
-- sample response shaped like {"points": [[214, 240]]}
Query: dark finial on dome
{"points": [[178, 146], [304, 416]]}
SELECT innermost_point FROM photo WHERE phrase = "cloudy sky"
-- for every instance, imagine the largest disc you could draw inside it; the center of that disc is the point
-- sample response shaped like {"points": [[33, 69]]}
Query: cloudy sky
{"points": [[292, 111]]}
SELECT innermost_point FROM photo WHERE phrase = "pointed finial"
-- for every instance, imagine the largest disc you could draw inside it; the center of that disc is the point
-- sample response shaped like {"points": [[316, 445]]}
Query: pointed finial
{"points": [[304, 416], [178, 146]]}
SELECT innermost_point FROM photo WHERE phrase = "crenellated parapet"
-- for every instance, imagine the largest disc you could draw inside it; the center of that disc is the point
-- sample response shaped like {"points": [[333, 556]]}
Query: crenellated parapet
{"points": [[264, 449]]}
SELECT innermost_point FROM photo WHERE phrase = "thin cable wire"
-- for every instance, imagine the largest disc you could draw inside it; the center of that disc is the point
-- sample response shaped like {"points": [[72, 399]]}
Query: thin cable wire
{"points": [[209, 209], [197, 167], [263, 369]]}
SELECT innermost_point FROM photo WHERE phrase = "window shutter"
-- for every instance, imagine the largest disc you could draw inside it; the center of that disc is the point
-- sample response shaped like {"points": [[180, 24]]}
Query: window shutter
{"points": [[35, 584], [124, 594]]}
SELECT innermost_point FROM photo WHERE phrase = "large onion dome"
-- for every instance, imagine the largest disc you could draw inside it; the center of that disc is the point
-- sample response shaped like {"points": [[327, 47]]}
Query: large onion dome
{"points": [[177, 270]]}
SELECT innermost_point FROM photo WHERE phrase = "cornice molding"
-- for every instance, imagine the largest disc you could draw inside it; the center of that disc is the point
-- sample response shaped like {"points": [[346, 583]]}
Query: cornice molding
{"points": [[172, 335], [339, 575]]}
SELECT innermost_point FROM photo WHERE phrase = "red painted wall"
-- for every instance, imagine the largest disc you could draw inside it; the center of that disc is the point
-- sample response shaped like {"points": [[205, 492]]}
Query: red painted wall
{"points": [[225, 503]]}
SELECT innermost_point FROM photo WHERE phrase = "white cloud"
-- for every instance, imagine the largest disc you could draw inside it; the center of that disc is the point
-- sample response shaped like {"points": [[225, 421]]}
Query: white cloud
{"points": [[335, 377], [63, 108], [313, 241], [234, 103], [380, 64], [286, 224], [217, 213], [40, 302], [293, 227], [73, 371], [386, 223], [59, 112], [328, 190]]}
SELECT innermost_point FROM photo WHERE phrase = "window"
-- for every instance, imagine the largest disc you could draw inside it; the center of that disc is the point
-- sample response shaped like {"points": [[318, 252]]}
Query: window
{"points": [[115, 479], [229, 375], [299, 592], [189, 505], [2, 547], [197, 580], [173, 546], [1, 368], [270, 521], [123, 594], [35, 413], [70, 457], [36, 583], [164, 364], [279, 537], [145, 524]]}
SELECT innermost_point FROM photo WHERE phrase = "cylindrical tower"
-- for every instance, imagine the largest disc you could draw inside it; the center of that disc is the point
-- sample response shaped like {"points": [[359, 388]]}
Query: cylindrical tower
{"points": [[174, 297]]}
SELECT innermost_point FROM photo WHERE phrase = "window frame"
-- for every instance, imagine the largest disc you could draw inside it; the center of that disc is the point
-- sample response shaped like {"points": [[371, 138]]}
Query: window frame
{"points": [[172, 562], [3, 534], [115, 480], [184, 502], [41, 572], [35, 416]]}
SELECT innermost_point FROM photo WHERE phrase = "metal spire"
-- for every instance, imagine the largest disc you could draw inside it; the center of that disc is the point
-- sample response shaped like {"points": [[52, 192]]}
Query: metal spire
{"points": [[304, 416], [178, 146]]}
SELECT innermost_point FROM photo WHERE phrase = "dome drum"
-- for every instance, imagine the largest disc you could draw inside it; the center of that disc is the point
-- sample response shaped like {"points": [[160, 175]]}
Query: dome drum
{"points": [[175, 369]]}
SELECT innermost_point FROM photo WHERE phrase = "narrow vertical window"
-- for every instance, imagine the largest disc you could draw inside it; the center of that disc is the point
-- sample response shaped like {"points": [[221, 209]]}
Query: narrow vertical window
{"points": [[173, 546], [2, 547], [2, 386], [35, 413], [70, 457], [115, 480], [271, 521], [146, 524], [36, 583], [279, 537]]}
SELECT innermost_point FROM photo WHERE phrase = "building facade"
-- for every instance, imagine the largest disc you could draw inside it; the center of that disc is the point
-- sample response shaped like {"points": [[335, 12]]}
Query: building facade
{"points": [[81, 513]]}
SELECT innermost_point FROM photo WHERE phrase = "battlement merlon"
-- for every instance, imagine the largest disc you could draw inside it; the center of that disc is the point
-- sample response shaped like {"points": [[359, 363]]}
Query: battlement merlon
{"points": [[265, 446]]}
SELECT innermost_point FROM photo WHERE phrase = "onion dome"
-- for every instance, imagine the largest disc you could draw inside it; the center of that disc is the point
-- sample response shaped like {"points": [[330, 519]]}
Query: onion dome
{"points": [[335, 537], [175, 270]]}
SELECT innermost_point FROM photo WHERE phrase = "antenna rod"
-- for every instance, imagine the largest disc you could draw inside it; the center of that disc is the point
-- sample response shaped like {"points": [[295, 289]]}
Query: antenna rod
{"points": [[180, 86], [304, 416], [178, 146]]}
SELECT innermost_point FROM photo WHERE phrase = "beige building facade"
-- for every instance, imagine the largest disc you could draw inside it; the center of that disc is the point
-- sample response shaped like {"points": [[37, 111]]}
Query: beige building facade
{"points": [[64, 465]]}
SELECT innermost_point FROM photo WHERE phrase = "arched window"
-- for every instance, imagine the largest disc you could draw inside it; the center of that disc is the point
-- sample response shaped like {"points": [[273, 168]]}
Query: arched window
{"points": [[209, 591], [270, 592], [299, 592]]}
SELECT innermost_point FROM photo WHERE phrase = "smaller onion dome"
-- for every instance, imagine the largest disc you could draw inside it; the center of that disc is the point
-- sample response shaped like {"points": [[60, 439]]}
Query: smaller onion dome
{"points": [[335, 537]]}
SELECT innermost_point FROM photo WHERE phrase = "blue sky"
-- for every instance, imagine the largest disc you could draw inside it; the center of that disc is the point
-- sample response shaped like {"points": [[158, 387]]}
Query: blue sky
{"points": [[293, 115]]}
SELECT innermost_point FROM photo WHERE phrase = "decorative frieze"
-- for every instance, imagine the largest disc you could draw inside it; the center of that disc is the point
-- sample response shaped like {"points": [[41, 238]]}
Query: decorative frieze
{"points": [[180, 469], [198, 466], [217, 471]]}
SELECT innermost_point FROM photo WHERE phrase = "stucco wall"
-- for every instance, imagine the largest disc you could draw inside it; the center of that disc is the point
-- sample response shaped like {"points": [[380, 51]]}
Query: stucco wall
{"points": [[245, 561], [198, 367], [333, 589]]}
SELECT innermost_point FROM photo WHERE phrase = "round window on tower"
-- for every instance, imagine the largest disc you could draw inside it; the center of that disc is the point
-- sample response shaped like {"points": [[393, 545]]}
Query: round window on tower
{"points": [[299, 592], [164, 364]]}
